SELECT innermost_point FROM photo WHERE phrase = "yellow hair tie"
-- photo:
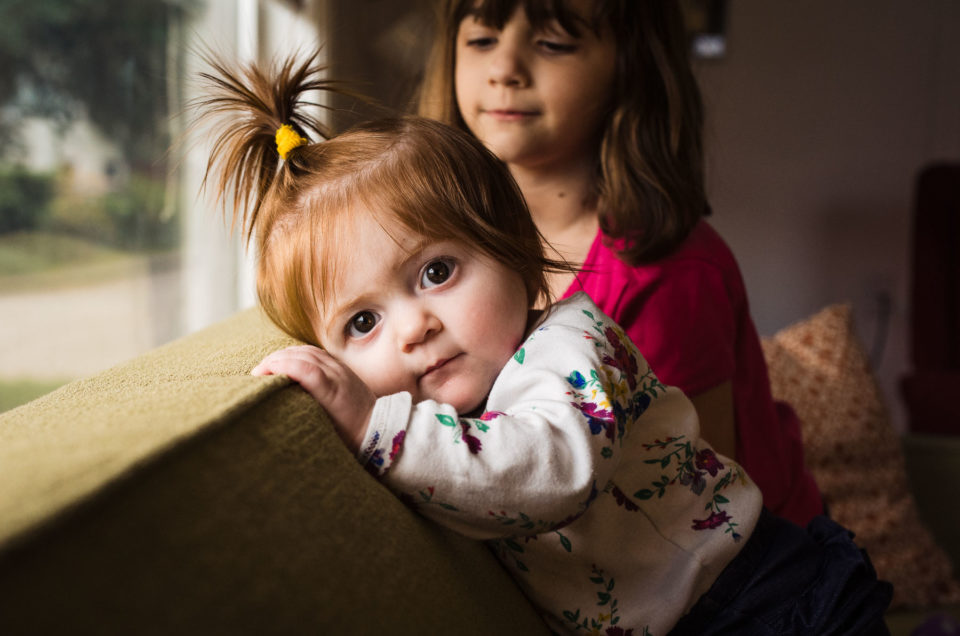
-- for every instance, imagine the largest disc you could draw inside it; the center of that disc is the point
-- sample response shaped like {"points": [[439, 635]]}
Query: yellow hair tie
{"points": [[288, 139]]}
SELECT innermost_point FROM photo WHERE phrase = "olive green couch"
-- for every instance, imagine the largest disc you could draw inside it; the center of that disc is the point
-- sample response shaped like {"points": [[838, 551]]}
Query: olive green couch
{"points": [[177, 494]]}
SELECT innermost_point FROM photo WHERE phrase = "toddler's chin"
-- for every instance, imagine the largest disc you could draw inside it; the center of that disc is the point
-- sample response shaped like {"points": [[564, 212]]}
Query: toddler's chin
{"points": [[466, 400], [465, 407]]}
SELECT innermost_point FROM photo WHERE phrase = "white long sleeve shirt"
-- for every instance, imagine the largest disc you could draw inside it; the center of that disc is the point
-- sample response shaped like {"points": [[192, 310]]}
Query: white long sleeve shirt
{"points": [[587, 476]]}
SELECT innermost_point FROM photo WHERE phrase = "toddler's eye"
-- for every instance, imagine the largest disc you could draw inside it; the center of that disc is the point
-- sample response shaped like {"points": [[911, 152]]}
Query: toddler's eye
{"points": [[361, 324], [436, 273]]}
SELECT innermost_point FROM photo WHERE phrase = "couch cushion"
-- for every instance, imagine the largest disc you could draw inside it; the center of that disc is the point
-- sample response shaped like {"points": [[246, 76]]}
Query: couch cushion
{"points": [[176, 493], [820, 368]]}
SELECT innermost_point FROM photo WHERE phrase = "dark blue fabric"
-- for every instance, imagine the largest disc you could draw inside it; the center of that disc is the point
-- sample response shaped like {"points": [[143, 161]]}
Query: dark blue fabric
{"points": [[787, 580]]}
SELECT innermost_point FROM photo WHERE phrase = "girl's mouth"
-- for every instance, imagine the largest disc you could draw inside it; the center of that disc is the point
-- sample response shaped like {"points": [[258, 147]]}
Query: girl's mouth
{"points": [[503, 114]]}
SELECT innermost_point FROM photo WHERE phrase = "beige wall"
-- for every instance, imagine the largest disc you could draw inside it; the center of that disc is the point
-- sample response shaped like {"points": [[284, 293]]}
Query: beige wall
{"points": [[820, 116]]}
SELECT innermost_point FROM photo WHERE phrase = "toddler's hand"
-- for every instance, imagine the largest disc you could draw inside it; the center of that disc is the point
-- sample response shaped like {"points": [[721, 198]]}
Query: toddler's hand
{"points": [[339, 390]]}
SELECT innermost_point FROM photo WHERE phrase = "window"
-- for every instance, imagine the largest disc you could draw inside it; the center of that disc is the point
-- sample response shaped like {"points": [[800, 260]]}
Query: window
{"points": [[106, 249]]}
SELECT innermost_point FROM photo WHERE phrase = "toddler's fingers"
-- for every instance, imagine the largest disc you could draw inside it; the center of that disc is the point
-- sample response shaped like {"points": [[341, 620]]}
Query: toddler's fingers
{"points": [[304, 353]]}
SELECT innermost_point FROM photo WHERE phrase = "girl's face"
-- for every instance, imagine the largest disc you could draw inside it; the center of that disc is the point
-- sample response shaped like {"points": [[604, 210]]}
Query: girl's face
{"points": [[535, 97], [437, 319]]}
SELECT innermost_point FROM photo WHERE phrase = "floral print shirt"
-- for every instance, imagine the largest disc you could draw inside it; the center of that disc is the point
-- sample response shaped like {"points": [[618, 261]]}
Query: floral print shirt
{"points": [[585, 474]]}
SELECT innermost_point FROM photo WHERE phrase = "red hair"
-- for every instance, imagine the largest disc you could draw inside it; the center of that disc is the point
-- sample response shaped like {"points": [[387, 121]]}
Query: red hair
{"points": [[433, 180]]}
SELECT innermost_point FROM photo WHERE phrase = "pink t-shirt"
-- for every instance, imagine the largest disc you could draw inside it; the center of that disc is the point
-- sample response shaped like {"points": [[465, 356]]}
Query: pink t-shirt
{"points": [[688, 314]]}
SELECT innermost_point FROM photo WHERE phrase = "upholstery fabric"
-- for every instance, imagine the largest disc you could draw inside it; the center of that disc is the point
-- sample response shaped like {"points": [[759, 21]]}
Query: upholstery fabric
{"points": [[820, 368], [178, 494]]}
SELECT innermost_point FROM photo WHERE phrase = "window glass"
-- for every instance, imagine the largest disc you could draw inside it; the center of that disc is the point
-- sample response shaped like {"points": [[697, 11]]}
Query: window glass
{"points": [[90, 225], [107, 247]]}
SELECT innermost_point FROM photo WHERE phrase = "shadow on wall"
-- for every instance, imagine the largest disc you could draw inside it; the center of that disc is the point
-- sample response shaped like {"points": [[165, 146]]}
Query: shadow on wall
{"points": [[849, 267]]}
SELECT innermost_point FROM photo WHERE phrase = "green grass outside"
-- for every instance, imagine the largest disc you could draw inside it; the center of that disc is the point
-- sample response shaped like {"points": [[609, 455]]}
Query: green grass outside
{"points": [[33, 260], [13, 393], [32, 252]]}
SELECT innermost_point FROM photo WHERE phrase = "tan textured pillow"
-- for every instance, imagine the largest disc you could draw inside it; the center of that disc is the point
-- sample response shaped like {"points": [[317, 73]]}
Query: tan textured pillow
{"points": [[820, 368]]}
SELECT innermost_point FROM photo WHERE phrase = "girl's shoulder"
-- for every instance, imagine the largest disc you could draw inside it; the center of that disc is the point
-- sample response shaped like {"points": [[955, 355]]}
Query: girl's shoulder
{"points": [[704, 246], [704, 250], [699, 276]]}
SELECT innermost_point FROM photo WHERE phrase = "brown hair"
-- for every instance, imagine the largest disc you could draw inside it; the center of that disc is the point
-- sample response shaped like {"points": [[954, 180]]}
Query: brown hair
{"points": [[650, 163], [433, 180]]}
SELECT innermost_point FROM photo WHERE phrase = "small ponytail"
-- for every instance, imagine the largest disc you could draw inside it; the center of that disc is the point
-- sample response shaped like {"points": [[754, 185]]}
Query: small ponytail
{"points": [[260, 118], [299, 199]]}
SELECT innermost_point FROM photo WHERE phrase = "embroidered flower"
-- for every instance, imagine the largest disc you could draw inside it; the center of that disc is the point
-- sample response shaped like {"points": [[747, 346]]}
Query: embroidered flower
{"points": [[576, 380], [623, 500], [707, 460], [473, 443], [694, 479], [600, 420], [491, 415], [375, 463], [715, 520], [397, 445], [622, 359], [620, 417], [640, 404]]}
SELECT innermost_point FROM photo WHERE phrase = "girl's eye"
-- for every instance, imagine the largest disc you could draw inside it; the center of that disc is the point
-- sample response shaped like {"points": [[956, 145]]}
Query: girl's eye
{"points": [[361, 324], [480, 42], [553, 46], [436, 273]]}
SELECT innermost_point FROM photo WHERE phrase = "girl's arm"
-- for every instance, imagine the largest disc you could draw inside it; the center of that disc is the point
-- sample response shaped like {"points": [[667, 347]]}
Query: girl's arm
{"points": [[684, 321], [717, 424]]}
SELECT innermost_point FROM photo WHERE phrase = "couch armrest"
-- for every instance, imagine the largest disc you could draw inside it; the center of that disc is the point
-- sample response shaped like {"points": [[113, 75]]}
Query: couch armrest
{"points": [[176, 493]]}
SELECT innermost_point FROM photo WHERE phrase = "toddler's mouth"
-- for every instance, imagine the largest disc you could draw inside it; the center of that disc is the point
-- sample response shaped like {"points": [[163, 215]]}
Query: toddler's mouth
{"points": [[435, 366], [438, 371]]}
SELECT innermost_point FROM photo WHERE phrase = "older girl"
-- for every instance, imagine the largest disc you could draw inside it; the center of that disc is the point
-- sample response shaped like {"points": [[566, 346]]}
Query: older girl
{"points": [[593, 107]]}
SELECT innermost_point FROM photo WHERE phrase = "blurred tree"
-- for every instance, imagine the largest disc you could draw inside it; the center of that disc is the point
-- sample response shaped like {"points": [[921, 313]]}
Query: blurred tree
{"points": [[105, 60]]}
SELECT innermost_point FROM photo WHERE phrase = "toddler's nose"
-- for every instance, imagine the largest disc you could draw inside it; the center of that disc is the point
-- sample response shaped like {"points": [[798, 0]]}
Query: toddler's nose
{"points": [[416, 326]]}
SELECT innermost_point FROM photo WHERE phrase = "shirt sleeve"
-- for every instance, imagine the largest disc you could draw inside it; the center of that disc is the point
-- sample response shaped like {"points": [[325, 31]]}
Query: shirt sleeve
{"points": [[548, 442], [684, 322]]}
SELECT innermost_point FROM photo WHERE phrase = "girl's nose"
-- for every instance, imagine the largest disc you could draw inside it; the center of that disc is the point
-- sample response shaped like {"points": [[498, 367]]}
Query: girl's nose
{"points": [[416, 325], [507, 66]]}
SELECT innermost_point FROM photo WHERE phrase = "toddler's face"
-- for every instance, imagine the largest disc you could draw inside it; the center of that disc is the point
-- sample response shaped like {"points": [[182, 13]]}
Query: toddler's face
{"points": [[439, 320]]}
